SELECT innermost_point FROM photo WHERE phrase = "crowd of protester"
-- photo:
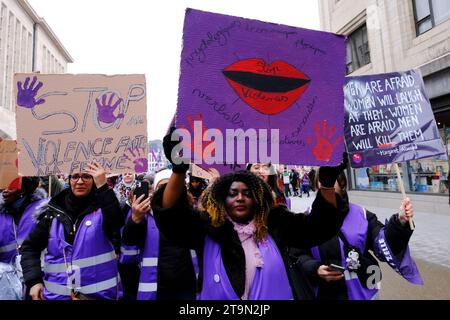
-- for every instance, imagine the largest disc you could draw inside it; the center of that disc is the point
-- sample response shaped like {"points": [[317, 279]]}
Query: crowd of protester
{"points": [[174, 236]]}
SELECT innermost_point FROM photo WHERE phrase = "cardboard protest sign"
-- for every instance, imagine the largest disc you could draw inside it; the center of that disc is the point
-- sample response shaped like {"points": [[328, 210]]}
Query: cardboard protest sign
{"points": [[198, 172], [9, 175], [253, 91], [209, 174], [389, 119], [66, 121]]}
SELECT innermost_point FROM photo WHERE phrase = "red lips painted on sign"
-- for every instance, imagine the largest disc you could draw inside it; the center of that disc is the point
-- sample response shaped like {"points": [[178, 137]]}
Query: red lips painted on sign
{"points": [[268, 88]]}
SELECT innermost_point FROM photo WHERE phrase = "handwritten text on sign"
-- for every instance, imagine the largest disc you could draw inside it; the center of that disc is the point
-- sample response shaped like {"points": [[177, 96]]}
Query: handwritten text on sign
{"points": [[389, 119]]}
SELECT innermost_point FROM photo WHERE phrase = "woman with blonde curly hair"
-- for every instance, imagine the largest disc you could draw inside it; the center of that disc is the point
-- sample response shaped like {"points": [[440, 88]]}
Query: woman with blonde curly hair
{"points": [[239, 232]]}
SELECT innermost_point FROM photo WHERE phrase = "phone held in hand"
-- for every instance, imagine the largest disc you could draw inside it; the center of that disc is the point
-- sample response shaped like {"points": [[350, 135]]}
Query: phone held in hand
{"points": [[141, 189], [337, 268]]}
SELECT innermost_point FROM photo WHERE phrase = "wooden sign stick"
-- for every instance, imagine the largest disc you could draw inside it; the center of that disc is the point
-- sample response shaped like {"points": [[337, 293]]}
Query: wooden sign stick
{"points": [[402, 190], [49, 186]]}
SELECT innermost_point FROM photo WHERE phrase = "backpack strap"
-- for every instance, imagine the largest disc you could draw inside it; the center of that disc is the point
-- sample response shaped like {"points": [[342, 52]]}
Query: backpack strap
{"points": [[344, 240]]}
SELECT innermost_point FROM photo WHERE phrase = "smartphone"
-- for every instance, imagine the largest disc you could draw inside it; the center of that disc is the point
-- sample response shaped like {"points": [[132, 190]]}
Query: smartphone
{"points": [[337, 268], [142, 189]]}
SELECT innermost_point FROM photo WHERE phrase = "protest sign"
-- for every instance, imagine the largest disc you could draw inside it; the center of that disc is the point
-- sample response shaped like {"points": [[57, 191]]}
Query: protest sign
{"points": [[389, 119], [9, 175], [198, 172], [253, 91], [66, 121]]}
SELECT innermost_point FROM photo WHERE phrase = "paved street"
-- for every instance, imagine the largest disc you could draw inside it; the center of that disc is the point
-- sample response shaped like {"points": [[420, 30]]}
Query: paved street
{"points": [[430, 246], [301, 204]]}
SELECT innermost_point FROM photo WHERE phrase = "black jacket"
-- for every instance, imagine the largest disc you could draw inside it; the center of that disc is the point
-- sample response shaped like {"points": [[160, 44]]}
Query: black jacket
{"points": [[176, 274], [37, 240], [397, 237], [28, 199], [188, 227]]}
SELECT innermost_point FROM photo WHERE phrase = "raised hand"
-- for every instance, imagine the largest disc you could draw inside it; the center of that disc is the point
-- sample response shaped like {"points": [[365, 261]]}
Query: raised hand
{"points": [[179, 165], [406, 211], [324, 148], [105, 111], [328, 175], [98, 173], [215, 174], [139, 208], [26, 94]]}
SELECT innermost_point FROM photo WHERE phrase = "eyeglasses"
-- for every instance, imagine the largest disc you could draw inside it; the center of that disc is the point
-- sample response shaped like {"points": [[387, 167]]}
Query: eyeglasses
{"points": [[84, 177]]}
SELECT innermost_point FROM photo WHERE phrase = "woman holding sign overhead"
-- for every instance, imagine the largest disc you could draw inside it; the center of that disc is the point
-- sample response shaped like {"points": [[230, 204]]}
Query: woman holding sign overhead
{"points": [[76, 227], [343, 269], [239, 232]]}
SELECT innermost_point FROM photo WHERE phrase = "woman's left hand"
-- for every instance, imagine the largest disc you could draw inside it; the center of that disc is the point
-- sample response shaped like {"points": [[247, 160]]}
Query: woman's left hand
{"points": [[139, 207], [98, 173], [406, 211]]}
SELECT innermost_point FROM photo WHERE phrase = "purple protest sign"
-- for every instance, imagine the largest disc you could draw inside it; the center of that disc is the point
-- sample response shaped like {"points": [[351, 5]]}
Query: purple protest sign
{"points": [[260, 92], [389, 119]]}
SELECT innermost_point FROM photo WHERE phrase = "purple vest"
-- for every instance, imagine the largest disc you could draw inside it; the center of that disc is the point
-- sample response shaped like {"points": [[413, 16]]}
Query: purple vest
{"points": [[8, 241], [355, 230], [129, 254], [269, 283], [149, 263], [88, 266], [149, 260]]}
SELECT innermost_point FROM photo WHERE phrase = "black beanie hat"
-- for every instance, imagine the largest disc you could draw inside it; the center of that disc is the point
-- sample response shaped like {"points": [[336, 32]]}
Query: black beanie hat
{"points": [[29, 184]]}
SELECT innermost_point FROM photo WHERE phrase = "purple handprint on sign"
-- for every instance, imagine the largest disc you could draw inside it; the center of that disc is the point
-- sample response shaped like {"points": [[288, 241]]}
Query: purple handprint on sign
{"points": [[138, 156], [106, 111], [26, 95]]}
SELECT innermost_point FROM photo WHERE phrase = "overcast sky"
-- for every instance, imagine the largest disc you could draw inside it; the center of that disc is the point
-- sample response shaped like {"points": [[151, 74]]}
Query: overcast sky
{"points": [[140, 36]]}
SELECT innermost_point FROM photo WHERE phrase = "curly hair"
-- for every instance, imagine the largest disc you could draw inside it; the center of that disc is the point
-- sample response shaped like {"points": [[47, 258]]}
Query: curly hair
{"points": [[213, 200]]}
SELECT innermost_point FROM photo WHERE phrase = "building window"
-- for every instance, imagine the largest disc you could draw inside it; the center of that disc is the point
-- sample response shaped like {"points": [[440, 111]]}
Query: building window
{"points": [[430, 13], [23, 67], [358, 52], [17, 42], [52, 64], [30, 53], [9, 62], [419, 176]]}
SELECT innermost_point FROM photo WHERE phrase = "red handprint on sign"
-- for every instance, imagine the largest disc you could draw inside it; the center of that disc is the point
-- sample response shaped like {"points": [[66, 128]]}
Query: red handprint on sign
{"points": [[324, 148], [198, 139]]}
